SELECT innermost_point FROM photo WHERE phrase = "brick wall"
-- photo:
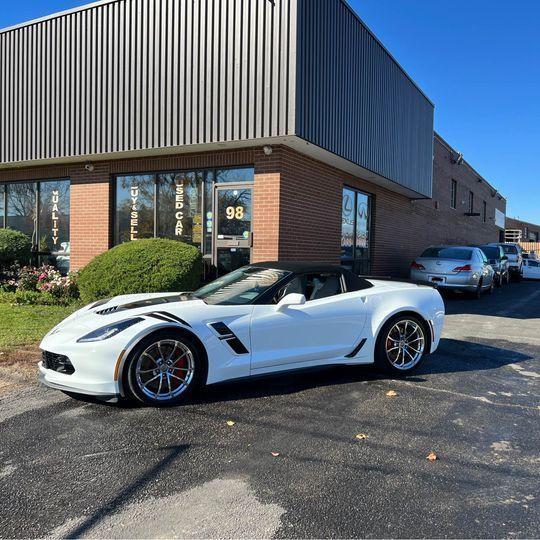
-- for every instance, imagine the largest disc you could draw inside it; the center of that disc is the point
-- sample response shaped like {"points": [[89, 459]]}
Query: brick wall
{"points": [[296, 206]]}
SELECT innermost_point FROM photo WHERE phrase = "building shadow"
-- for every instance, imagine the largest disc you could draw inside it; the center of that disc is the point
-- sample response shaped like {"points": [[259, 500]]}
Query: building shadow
{"points": [[128, 493], [515, 301]]}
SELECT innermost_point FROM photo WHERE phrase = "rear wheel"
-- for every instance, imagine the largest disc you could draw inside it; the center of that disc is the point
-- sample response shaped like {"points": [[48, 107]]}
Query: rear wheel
{"points": [[164, 369], [491, 287], [401, 345]]}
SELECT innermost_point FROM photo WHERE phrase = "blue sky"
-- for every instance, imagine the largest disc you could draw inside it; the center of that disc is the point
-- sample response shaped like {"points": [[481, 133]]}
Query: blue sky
{"points": [[478, 61]]}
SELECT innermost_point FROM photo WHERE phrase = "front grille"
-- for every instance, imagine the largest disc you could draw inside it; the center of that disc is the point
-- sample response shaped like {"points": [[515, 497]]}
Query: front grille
{"points": [[57, 362]]}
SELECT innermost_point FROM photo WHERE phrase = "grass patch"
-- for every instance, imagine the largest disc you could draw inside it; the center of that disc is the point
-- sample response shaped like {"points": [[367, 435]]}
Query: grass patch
{"points": [[22, 326]]}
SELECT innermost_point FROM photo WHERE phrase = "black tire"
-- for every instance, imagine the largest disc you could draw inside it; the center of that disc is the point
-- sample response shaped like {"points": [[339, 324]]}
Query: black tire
{"points": [[477, 294], [382, 360], [195, 369], [491, 287], [499, 281]]}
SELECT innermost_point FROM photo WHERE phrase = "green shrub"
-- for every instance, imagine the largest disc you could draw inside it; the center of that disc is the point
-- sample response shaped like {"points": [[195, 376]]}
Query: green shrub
{"points": [[15, 247], [143, 266], [34, 298]]}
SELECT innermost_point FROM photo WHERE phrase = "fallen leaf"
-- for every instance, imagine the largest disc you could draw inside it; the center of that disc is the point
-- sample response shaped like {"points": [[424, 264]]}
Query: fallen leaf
{"points": [[230, 423], [432, 456], [391, 393], [362, 436], [275, 454]]}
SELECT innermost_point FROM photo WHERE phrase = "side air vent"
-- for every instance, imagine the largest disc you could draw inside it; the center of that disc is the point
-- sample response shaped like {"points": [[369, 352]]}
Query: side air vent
{"points": [[227, 335]]}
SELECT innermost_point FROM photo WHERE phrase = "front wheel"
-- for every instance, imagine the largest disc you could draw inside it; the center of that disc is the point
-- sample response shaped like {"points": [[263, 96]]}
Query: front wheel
{"points": [[401, 345], [164, 369]]}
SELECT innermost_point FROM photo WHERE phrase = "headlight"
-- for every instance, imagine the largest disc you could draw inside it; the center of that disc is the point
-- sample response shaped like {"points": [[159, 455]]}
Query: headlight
{"points": [[109, 331]]}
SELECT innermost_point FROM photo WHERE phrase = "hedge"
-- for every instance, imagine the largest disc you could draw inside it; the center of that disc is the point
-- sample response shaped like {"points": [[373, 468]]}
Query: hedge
{"points": [[142, 266], [15, 247]]}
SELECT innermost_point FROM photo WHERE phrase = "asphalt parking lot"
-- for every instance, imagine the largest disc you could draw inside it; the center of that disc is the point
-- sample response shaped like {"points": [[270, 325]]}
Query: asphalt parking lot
{"points": [[77, 469]]}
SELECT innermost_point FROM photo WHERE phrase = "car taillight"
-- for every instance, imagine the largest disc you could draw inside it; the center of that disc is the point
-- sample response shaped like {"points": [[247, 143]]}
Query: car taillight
{"points": [[417, 266], [466, 268]]}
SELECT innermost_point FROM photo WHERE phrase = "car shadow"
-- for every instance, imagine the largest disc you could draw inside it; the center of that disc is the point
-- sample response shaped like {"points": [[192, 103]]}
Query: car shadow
{"points": [[452, 356]]}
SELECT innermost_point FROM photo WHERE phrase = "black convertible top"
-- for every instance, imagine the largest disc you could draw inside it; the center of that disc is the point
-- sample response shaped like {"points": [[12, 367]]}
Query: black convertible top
{"points": [[353, 282]]}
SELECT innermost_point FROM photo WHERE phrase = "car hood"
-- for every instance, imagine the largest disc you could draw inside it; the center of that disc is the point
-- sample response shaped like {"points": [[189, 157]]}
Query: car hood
{"points": [[124, 307]]}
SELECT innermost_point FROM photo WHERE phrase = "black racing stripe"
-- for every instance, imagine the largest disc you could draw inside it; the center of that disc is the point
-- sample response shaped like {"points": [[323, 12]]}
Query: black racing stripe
{"points": [[356, 350], [159, 317], [174, 317]]}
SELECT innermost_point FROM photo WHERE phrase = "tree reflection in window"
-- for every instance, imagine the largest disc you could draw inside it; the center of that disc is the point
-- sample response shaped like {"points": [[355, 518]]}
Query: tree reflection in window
{"points": [[21, 209]]}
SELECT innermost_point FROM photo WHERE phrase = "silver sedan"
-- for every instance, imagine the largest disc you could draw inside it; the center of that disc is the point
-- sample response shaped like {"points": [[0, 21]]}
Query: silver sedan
{"points": [[459, 268]]}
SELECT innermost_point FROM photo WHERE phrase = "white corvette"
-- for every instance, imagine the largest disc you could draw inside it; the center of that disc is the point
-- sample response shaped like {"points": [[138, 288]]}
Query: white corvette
{"points": [[263, 318]]}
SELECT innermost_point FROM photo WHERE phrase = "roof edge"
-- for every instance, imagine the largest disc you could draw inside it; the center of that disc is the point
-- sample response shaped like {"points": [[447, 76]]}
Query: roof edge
{"points": [[447, 145], [57, 15]]}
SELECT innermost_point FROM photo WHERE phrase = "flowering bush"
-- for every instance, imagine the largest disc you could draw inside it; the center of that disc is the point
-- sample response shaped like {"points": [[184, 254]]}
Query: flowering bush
{"points": [[46, 280]]}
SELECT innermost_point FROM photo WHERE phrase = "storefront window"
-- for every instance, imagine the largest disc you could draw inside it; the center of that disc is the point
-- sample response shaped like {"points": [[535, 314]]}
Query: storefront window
{"points": [[54, 246], [41, 211], [135, 197], [179, 215], [22, 208], [355, 231]]}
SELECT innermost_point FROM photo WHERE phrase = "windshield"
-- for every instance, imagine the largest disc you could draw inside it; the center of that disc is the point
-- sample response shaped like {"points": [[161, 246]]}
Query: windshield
{"points": [[510, 250], [243, 286], [491, 252], [461, 254]]}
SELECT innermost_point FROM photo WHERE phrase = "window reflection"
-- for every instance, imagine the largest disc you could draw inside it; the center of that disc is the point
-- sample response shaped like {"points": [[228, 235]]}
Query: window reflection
{"points": [[54, 216], [355, 241], [134, 207], [21, 209], [180, 207]]}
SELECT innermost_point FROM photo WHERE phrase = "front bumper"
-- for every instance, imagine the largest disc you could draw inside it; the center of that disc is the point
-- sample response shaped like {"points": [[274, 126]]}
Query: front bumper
{"points": [[106, 390], [58, 381]]}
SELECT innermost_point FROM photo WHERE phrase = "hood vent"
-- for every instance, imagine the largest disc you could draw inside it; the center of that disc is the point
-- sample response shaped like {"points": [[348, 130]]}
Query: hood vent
{"points": [[107, 311]]}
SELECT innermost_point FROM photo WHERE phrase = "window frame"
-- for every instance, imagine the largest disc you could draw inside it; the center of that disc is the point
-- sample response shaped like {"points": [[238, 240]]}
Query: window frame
{"points": [[484, 211], [453, 194], [471, 202]]}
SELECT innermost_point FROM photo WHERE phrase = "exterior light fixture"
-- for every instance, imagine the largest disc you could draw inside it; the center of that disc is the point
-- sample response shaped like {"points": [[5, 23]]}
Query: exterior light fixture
{"points": [[89, 167], [267, 150]]}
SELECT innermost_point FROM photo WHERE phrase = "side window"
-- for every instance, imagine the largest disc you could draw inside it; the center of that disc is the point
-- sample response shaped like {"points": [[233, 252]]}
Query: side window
{"points": [[534, 264], [312, 286], [483, 257], [322, 286]]}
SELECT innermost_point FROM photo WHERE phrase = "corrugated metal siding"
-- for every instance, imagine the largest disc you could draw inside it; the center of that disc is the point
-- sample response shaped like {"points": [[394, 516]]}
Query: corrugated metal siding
{"points": [[139, 74], [354, 100]]}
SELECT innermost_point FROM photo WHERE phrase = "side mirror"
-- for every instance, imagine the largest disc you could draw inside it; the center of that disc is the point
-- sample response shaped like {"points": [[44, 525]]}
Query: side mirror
{"points": [[293, 299], [504, 258]]}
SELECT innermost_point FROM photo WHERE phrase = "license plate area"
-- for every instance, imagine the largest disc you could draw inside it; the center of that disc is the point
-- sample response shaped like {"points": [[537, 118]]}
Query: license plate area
{"points": [[437, 280]]}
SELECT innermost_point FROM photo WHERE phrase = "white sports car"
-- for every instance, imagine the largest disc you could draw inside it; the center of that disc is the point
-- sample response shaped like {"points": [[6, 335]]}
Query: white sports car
{"points": [[263, 318]]}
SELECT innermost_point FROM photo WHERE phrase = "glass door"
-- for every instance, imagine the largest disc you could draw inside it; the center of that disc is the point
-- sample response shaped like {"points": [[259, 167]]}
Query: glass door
{"points": [[232, 230]]}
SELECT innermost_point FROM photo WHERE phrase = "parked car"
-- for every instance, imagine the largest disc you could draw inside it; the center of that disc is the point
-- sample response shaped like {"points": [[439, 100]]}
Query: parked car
{"points": [[499, 262], [459, 268], [262, 318], [515, 258], [531, 269]]}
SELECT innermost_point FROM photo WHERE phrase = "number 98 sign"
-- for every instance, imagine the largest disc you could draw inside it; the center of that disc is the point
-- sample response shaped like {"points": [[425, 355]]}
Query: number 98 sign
{"points": [[235, 212]]}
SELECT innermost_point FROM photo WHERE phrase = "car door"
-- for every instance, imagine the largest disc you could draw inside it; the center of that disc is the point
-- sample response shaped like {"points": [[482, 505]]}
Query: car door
{"points": [[328, 326], [531, 269]]}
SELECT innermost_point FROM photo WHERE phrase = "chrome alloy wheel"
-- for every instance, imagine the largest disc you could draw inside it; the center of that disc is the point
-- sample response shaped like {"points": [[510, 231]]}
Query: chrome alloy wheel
{"points": [[165, 370], [405, 344]]}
